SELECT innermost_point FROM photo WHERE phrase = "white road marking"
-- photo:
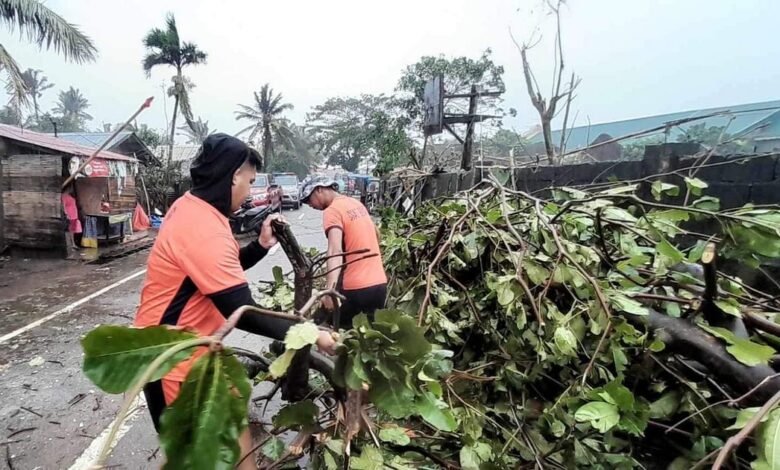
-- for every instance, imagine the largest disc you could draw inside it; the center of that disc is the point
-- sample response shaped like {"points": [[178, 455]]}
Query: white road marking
{"points": [[69, 308], [88, 457]]}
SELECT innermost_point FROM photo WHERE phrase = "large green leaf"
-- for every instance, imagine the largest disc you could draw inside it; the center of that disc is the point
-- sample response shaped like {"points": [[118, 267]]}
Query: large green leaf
{"points": [[200, 429], [392, 397], [406, 335], [601, 415], [626, 304], [395, 435], [769, 442], [301, 335], [370, 458], [302, 413], [743, 350], [428, 408], [666, 406], [280, 365], [472, 456], [565, 341], [695, 185], [116, 356]]}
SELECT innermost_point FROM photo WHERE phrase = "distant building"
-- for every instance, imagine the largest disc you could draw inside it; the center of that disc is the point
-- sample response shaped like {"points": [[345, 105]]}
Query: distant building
{"points": [[756, 123], [125, 143]]}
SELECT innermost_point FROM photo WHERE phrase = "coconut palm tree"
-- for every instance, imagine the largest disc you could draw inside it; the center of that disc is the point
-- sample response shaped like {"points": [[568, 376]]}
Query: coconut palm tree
{"points": [[266, 116], [164, 47], [196, 132], [36, 84], [72, 104], [45, 28]]}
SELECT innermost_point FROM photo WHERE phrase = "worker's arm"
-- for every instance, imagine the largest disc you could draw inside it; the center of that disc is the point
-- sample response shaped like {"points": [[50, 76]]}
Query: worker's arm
{"points": [[335, 244], [251, 254]]}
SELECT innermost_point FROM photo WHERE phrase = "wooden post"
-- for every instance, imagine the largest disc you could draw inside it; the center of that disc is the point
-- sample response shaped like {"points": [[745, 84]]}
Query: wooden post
{"points": [[465, 163]]}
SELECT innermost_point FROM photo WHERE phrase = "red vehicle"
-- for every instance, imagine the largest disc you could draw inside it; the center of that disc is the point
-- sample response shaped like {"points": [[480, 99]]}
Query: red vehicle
{"points": [[263, 192]]}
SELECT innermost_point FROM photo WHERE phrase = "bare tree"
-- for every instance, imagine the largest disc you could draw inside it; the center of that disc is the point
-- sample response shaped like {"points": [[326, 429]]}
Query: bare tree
{"points": [[548, 109]]}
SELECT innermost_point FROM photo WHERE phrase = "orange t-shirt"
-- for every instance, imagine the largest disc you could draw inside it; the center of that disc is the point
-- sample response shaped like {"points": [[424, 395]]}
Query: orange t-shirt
{"points": [[195, 255], [359, 232]]}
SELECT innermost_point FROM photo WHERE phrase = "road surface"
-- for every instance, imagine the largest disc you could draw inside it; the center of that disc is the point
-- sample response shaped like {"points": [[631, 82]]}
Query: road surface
{"points": [[51, 416]]}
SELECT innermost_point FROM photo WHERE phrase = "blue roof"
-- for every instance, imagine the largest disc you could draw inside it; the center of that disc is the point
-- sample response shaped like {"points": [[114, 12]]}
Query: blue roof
{"points": [[754, 120], [93, 139]]}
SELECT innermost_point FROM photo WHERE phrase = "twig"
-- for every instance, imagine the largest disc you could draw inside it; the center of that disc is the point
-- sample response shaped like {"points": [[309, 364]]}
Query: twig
{"points": [[734, 441], [372, 255], [314, 298], [8, 459], [29, 410], [20, 431], [758, 322], [324, 256], [251, 452]]}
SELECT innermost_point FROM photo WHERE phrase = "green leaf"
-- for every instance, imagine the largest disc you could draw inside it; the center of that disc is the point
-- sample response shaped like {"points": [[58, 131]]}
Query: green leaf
{"points": [[659, 188], [294, 415], [565, 341], [619, 214], [200, 429], [602, 416], [369, 459], [301, 335], [428, 408], [707, 203], [728, 307], [743, 417], [695, 185], [769, 441], [743, 350], [505, 293], [472, 456], [620, 395], [666, 406], [695, 254], [536, 273], [395, 435], [274, 448], [626, 304], [670, 252], [392, 397], [116, 356], [280, 365], [278, 274], [657, 345]]}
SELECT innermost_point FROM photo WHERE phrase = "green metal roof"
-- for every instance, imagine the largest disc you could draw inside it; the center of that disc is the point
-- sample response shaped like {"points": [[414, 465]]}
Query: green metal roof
{"points": [[756, 120]]}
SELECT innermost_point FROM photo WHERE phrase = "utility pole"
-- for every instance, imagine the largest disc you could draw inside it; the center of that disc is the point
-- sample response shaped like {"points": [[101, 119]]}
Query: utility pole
{"points": [[465, 162]]}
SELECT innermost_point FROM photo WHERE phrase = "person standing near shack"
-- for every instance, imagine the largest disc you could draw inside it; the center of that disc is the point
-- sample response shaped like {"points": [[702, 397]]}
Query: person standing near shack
{"points": [[348, 226], [195, 276], [73, 224]]}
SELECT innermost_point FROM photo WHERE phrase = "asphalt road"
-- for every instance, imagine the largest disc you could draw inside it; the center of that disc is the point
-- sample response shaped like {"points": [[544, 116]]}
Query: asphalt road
{"points": [[51, 416]]}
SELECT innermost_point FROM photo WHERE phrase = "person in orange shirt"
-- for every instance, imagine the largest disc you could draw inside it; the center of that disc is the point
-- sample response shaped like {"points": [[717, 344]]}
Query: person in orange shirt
{"points": [[195, 277], [349, 227]]}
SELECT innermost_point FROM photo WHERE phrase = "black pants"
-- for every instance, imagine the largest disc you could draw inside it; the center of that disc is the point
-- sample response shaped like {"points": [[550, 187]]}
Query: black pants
{"points": [[367, 300]]}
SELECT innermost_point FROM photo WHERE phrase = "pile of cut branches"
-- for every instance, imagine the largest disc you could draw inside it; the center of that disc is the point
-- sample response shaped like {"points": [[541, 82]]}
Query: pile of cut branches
{"points": [[593, 330]]}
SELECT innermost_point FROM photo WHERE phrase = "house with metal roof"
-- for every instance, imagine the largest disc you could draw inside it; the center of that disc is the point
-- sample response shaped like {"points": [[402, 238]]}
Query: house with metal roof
{"points": [[126, 143], [756, 123], [33, 168]]}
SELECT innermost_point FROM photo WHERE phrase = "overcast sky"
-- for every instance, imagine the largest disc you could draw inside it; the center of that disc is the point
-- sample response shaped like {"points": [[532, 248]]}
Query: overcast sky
{"points": [[635, 58]]}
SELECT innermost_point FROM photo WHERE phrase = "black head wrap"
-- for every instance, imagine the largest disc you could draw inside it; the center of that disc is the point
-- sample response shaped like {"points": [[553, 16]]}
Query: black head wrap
{"points": [[212, 170]]}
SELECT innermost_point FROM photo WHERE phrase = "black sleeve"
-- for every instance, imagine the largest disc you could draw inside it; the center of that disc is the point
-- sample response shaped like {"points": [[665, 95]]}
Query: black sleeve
{"points": [[229, 300], [251, 254]]}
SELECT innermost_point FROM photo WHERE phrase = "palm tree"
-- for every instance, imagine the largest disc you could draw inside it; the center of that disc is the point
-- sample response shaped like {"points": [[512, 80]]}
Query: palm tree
{"points": [[266, 116], [36, 83], [72, 108], [165, 48], [196, 132], [46, 29]]}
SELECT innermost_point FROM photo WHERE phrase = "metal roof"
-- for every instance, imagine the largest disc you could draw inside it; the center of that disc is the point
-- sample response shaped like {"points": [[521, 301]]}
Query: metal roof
{"points": [[94, 139], [747, 120], [55, 144]]}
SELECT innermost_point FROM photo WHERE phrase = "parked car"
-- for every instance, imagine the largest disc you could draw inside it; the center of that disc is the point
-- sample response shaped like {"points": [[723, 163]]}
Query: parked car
{"points": [[263, 192], [290, 189]]}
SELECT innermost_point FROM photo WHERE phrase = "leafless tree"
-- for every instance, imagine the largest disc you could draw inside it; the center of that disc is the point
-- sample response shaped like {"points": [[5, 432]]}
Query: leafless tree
{"points": [[548, 108]]}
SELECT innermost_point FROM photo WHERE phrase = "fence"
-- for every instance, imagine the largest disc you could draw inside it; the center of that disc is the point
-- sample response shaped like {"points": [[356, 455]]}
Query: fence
{"points": [[735, 180]]}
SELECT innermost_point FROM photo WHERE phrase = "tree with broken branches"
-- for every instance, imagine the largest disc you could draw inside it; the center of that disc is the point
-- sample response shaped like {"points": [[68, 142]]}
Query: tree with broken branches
{"points": [[548, 109]]}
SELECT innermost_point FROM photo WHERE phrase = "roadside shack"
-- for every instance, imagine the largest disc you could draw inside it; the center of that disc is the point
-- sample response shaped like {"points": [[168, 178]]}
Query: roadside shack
{"points": [[33, 167]]}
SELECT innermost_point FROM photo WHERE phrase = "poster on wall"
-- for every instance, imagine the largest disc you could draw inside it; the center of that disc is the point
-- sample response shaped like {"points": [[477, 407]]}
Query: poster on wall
{"points": [[97, 168]]}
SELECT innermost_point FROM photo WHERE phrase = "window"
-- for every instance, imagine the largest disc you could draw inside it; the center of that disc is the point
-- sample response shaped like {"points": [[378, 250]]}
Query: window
{"points": [[261, 181]]}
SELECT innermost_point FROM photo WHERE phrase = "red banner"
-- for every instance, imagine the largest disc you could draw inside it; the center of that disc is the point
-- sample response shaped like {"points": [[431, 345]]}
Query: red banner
{"points": [[97, 168]]}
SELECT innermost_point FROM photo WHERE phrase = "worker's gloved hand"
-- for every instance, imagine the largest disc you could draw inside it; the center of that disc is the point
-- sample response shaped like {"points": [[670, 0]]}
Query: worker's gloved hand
{"points": [[329, 303], [267, 238]]}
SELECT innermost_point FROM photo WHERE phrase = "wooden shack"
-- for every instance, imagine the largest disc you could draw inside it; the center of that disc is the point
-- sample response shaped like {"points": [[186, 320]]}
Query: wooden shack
{"points": [[33, 167]]}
